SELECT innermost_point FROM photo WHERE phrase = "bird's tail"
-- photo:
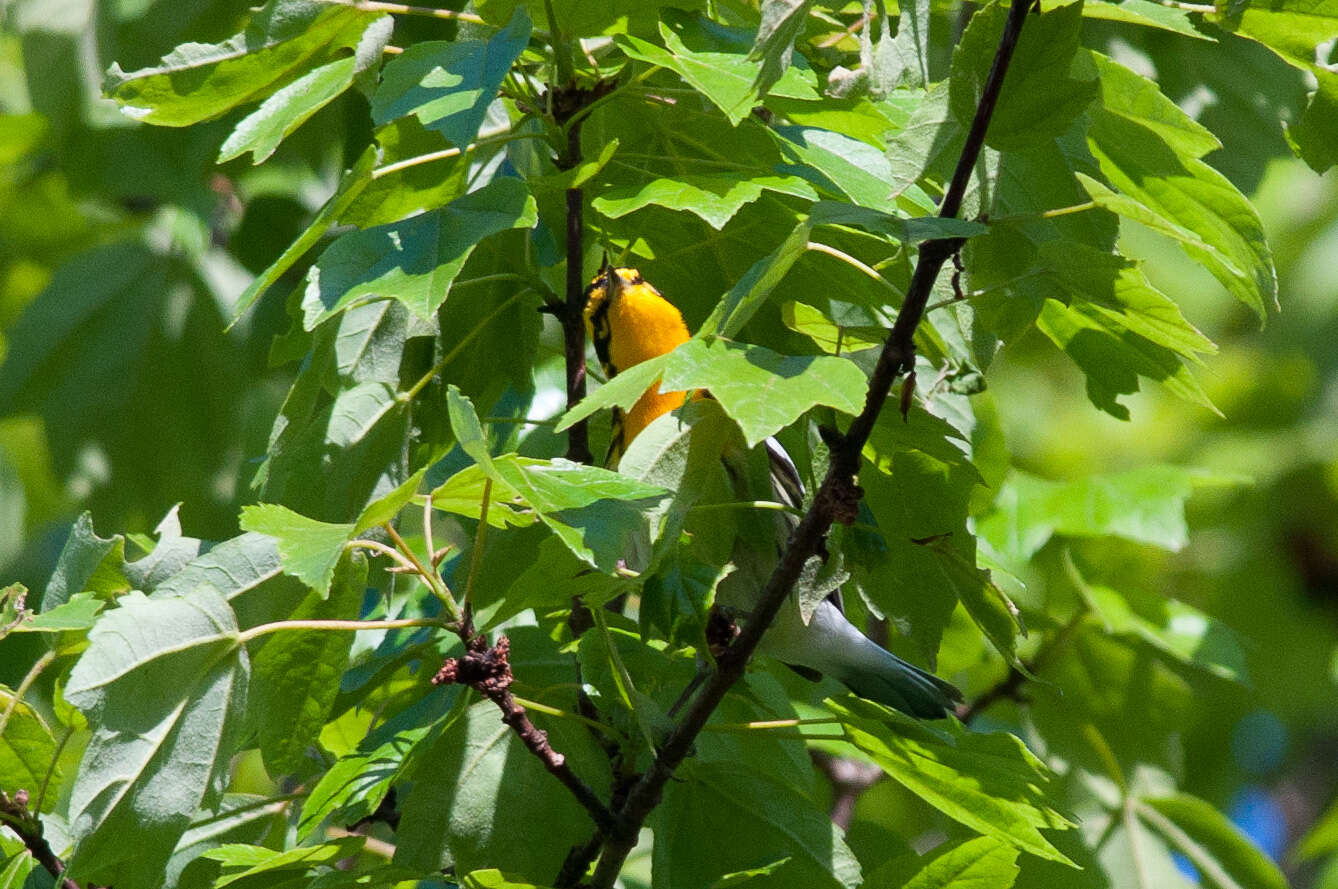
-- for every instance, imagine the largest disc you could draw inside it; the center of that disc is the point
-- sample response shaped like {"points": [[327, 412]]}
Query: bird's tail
{"points": [[832, 645]]}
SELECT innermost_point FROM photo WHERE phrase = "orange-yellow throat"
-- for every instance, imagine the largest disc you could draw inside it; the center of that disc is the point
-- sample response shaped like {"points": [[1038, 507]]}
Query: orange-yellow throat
{"points": [[631, 322]]}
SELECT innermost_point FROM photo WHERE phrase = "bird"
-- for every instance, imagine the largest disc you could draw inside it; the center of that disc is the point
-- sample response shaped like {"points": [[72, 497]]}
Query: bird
{"points": [[630, 321]]}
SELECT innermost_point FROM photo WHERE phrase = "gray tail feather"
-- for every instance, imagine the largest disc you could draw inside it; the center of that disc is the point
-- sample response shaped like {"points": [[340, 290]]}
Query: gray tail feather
{"points": [[903, 687]]}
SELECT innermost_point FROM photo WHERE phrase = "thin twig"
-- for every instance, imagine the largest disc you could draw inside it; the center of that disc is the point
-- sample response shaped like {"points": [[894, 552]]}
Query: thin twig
{"points": [[33, 672], [380, 548], [836, 498], [487, 670], [573, 315], [1010, 688]]}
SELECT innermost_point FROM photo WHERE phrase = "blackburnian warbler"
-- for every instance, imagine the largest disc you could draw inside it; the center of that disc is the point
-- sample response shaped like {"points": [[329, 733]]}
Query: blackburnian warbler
{"points": [[630, 322]]}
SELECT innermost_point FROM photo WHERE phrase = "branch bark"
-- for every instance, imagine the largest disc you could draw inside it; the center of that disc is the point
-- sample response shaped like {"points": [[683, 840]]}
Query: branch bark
{"points": [[14, 813], [836, 499], [488, 671]]}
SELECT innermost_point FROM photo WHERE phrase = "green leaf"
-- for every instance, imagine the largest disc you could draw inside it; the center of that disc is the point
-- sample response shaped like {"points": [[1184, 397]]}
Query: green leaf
{"points": [[782, 23], [86, 562], [1322, 837], [900, 228], [1146, 13], [384, 509], [762, 390], [726, 817], [783, 386], [1131, 209], [1315, 135], [27, 748], [467, 428], [297, 672], [448, 86], [986, 603], [621, 391], [830, 336], [492, 878], [1113, 357], [351, 185], [921, 504], [163, 684], [676, 599], [1145, 505], [241, 861], [750, 291], [1299, 33], [727, 80], [1112, 703], [968, 864], [838, 163], [262, 130], [990, 783], [926, 147], [247, 572], [78, 613], [1148, 150], [1215, 846], [197, 81], [595, 512], [479, 789], [1181, 631], [1116, 288], [330, 463], [416, 260], [308, 549], [920, 431], [1049, 81], [354, 786], [241, 818], [714, 197]]}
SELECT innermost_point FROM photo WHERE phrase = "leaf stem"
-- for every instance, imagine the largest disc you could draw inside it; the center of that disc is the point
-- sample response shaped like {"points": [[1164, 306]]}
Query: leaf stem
{"points": [[429, 576], [819, 247], [765, 724], [745, 504], [402, 9], [564, 714], [476, 557], [33, 672], [501, 138], [339, 626], [464, 341], [1047, 214], [380, 548]]}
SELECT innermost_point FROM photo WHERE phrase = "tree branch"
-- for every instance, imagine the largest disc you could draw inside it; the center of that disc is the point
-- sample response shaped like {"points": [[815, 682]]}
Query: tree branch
{"points": [[837, 498], [567, 103], [14, 812], [488, 671]]}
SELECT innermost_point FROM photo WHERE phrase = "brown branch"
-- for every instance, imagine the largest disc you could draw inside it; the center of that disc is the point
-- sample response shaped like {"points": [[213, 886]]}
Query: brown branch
{"points": [[487, 670], [1007, 689], [578, 862], [566, 104], [573, 314], [850, 778], [14, 813], [1012, 686], [836, 499]]}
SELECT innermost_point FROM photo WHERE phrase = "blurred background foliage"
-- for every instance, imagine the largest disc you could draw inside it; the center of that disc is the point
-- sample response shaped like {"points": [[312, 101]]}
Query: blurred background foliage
{"points": [[123, 249]]}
